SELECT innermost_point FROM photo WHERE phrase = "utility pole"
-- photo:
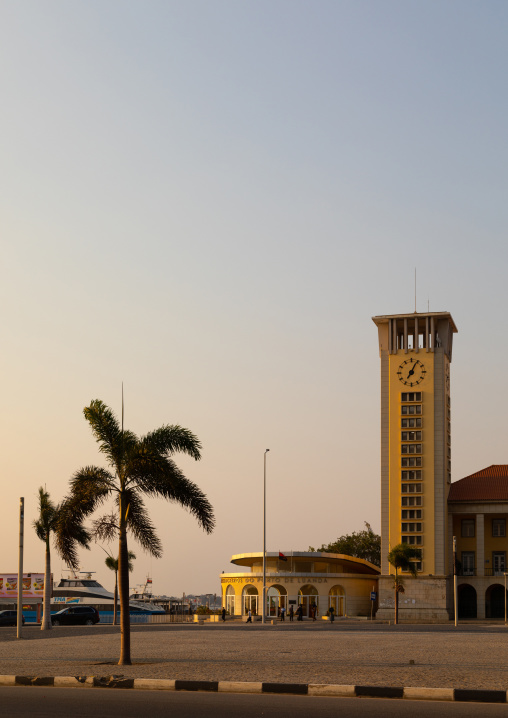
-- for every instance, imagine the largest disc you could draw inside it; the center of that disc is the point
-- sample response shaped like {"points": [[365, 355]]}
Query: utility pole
{"points": [[455, 577], [20, 567], [263, 597]]}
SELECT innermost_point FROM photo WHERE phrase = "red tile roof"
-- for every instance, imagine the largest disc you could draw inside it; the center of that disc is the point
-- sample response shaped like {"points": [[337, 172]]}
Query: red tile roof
{"points": [[490, 484]]}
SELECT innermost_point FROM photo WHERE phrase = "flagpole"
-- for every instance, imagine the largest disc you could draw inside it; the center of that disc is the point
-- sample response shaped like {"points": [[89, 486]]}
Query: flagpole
{"points": [[263, 597]]}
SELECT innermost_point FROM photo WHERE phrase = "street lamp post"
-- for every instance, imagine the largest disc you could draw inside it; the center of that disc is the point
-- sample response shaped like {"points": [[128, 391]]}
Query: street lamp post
{"points": [[263, 597]]}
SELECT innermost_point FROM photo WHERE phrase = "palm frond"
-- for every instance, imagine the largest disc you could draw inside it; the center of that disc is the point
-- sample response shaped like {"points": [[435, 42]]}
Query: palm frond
{"points": [[43, 525], [90, 486], [161, 477], [111, 563], [105, 528], [139, 524], [114, 443], [403, 556], [170, 439], [70, 532]]}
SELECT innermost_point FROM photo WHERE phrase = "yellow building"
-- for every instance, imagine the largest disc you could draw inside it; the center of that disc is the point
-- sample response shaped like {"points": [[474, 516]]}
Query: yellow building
{"points": [[416, 353], [477, 514], [307, 579]]}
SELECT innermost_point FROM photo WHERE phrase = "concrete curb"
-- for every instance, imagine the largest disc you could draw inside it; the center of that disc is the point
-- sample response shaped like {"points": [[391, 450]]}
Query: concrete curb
{"points": [[303, 689]]}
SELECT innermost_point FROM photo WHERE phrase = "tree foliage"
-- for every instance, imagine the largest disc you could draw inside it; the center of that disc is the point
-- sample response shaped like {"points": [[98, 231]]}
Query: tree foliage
{"points": [[402, 557], [53, 519], [139, 467], [361, 544]]}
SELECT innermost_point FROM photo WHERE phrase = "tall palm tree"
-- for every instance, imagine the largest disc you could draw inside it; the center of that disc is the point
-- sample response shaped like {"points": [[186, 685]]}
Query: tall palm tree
{"points": [[52, 519], [402, 557], [138, 466], [112, 563]]}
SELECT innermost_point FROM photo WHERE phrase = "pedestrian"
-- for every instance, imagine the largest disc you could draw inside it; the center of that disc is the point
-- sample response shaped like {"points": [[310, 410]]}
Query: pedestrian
{"points": [[291, 612], [224, 614], [314, 611], [249, 618], [282, 613], [299, 613], [331, 611]]}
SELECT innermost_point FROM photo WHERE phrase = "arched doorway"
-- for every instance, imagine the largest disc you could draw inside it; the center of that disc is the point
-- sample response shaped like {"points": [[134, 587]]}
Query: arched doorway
{"points": [[250, 600], [307, 598], [337, 599], [229, 602], [494, 601], [276, 597], [467, 601]]}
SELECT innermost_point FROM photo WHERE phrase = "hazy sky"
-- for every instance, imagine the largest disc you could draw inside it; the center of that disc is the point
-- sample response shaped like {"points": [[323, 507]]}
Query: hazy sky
{"points": [[209, 199]]}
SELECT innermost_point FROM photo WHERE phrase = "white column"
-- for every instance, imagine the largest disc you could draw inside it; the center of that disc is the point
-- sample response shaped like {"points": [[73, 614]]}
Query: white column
{"points": [[480, 547]]}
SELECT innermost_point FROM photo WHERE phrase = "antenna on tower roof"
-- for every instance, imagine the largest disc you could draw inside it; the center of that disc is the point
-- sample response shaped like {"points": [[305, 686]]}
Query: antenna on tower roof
{"points": [[415, 290]]}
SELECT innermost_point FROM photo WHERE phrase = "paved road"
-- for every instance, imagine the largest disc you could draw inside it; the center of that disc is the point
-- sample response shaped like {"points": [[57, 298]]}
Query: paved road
{"points": [[106, 703]]}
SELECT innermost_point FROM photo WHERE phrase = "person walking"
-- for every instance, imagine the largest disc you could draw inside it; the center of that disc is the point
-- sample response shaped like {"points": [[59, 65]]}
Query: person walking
{"points": [[282, 613], [224, 614], [291, 612], [331, 612], [249, 618]]}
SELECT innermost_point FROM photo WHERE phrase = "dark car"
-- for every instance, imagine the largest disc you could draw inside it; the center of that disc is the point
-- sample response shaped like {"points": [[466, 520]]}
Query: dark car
{"points": [[10, 618], [76, 616]]}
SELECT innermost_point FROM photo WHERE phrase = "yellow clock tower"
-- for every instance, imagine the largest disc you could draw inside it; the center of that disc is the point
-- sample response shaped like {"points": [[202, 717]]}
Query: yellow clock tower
{"points": [[416, 352]]}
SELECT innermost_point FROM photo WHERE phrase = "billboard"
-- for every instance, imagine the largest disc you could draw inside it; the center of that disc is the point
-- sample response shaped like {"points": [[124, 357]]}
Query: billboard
{"points": [[33, 585]]}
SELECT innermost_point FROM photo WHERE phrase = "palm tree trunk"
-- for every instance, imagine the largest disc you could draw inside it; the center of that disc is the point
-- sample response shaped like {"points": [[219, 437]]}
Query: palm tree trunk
{"points": [[123, 571], [46, 608], [115, 609], [396, 597]]}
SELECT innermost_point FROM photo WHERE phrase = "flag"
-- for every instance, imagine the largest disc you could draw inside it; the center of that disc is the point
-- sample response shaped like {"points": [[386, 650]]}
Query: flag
{"points": [[282, 557]]}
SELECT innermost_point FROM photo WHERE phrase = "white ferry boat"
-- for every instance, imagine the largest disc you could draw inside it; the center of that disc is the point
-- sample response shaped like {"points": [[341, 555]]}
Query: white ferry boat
{"points": [[82, 588]]}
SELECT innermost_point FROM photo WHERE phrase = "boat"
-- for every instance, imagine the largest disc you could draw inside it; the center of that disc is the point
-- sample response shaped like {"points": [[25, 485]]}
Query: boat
{"points": [[82, 588]]}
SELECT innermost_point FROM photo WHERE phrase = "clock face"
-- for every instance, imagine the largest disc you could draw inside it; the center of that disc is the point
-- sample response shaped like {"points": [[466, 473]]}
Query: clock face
{"points": [[411, 372]]}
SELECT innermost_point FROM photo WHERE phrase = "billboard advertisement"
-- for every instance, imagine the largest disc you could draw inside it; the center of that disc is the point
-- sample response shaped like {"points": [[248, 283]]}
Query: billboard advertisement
{"points": [[33, 585]]}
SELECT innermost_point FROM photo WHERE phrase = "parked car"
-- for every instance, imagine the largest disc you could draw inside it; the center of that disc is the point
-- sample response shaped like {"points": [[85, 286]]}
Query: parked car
{"points": [[10, 618], [76, 616]]}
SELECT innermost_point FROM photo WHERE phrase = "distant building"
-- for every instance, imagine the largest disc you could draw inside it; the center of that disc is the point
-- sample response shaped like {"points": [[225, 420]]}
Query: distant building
{"points": [[307, 579], [477, 513]]}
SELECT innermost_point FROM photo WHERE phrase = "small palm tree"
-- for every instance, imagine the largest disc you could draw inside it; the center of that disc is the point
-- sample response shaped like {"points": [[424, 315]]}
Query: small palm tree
{"points": [[112, 563], [139, 466], [52, 519], [402, 557]]}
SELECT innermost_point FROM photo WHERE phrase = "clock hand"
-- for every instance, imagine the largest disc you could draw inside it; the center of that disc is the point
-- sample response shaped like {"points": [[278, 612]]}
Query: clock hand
{"points": [[411, 372]]}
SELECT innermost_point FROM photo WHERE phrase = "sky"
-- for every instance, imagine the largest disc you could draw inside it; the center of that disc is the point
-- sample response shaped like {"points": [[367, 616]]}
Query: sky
{"points": [[208, 201]]}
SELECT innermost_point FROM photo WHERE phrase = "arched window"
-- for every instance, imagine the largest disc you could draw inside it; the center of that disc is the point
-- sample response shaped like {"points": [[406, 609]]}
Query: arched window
{"points": [[308, 597], [467, 601], [250, 599], [276, 597], [230, 600], [337, 599], [494, 601]]}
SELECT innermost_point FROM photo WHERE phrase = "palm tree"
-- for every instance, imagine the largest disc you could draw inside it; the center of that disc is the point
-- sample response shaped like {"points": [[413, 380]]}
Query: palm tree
{"points": [[52, 519], [112, 563], [139, 466], [402, 556]]}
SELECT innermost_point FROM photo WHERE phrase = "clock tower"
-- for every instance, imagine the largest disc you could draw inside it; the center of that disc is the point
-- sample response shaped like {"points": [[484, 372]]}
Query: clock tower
{"points": [[416, 353]]}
